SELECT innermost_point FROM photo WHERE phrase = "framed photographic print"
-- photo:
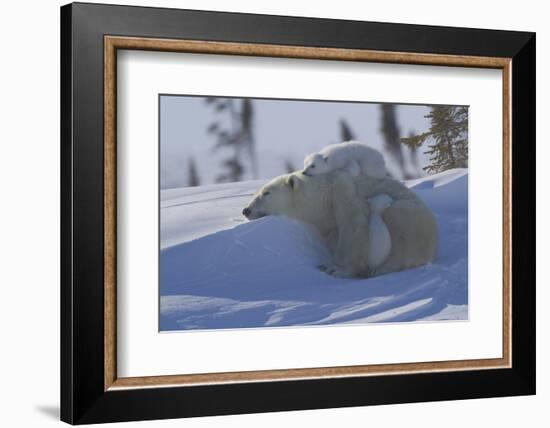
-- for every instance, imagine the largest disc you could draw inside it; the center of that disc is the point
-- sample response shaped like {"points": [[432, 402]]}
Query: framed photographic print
{"points": [[265, 213]]}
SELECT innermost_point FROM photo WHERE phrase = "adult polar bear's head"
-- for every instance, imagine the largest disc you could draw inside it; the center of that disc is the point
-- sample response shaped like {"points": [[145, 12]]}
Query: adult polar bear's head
{"points": [[297, 196], [274, 198]]}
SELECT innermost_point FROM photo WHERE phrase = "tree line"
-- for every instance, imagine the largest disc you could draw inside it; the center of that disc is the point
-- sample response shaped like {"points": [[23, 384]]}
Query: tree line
{"points": [[445, 142]]}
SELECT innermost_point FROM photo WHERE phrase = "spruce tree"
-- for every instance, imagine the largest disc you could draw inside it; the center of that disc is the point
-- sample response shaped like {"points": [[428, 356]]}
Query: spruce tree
{"points": [[289, 166], [448, 134], [238, 136], [390, 131], [413, 153], [193, 179], [346, 134]]}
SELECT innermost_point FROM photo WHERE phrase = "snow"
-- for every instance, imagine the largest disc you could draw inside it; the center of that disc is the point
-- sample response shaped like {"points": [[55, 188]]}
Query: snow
{"points": [[218, 270]]}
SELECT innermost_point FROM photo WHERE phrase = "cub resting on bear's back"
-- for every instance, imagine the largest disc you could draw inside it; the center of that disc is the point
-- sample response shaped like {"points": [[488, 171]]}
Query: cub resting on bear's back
{"points": [[337, 204], [351, 156]]}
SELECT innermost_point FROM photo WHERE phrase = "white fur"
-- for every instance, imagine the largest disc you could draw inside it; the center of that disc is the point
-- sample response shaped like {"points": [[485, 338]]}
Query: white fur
{"points": [[351, 156], [340, 206], [379, 235]]}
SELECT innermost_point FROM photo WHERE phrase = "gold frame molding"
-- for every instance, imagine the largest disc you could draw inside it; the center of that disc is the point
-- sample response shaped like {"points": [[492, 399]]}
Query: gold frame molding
{"points": [[113, 43]]}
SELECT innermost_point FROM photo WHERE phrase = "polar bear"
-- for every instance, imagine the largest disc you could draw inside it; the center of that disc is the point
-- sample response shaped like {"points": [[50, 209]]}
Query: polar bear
{"points": [[337, 204], [354, 157]]}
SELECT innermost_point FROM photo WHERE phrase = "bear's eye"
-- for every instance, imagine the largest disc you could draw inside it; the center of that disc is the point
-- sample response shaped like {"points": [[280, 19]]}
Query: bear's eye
{"points": [[266, 193], [313, 166]]}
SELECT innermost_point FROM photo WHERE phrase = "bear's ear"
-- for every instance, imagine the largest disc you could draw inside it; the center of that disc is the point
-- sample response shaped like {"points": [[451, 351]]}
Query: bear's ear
{"points": [[291, 181]]}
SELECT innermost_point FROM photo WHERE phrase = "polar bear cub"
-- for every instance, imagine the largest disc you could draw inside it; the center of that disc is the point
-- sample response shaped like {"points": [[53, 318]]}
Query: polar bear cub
{"points": [[352, 156], [379, 242]]}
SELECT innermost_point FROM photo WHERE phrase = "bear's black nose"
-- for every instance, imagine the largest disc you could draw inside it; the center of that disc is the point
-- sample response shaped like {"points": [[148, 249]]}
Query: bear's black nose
{"points": [[246, 212]]}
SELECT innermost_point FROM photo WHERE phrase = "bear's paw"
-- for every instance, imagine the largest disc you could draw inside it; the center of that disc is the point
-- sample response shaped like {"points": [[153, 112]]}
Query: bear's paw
{"points": [[336, 271]]}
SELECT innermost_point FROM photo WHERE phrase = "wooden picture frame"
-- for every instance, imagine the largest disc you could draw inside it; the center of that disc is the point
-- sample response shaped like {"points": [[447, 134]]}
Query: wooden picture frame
{"points": [[91, 391]]}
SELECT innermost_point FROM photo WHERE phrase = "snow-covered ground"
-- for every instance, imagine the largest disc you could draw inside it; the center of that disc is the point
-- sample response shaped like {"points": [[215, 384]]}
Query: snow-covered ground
{"points": [[218, 270]]}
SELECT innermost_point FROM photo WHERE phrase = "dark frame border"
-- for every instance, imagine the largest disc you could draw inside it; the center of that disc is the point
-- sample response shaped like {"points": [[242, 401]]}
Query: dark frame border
{"points": [[83, 399]]}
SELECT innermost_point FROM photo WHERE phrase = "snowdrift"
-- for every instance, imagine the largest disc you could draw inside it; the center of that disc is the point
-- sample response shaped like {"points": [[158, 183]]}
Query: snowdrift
{"points": [[218, 270]]}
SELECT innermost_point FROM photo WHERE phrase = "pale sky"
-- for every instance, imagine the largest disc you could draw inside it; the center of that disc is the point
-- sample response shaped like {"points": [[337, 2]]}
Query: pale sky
{"points": [[284, 130]]}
